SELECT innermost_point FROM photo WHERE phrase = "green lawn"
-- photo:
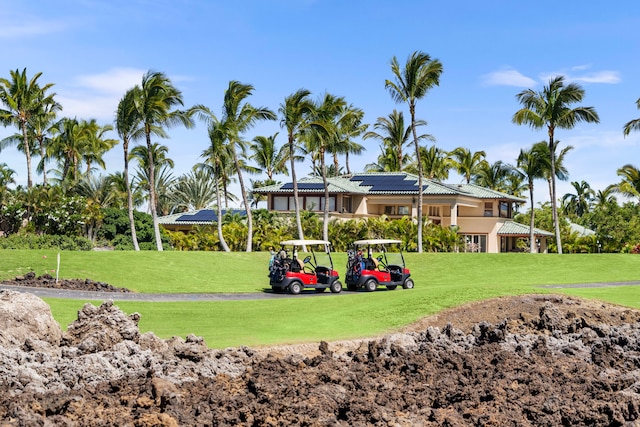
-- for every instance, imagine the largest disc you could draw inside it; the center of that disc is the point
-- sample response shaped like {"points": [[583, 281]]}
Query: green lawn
{"points": [[442, 281]]}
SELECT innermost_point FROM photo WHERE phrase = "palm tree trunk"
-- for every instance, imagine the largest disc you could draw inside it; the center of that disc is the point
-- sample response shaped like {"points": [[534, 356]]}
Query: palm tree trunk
{"points": [[132, 222], [295, 190], [245, 200], [43, 154], [152, 194], [554, 203], [532, 243], [420, 173], [27, 153], [325, 225], [223, 242]]}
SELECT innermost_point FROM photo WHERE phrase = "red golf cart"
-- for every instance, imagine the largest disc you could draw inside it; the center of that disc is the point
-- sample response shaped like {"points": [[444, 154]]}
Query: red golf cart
{"points": [[291, 272], [377, 262]]}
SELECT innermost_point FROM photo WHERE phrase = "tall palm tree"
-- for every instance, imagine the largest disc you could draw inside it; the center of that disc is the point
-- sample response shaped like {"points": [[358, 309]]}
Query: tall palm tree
{"points": [[350, 126], [40, 127], [268, 157], [632, 124], [605, 197], [419, 75], [127, 123], [532, 164], [239, 116], [67, 146], [467, 164], [217, 158], [294, 117], [630, 183], [323, 137], [436, 163], [23, 99], [154, 103], [96, 144], [551, 109], [6, 178], [492, 175], [194, 191], [562, 174], [580, 202], [394, 136]]}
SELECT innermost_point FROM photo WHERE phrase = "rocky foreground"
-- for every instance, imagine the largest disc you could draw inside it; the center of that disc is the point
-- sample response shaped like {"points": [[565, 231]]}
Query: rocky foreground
{"points": [[569, 363]]}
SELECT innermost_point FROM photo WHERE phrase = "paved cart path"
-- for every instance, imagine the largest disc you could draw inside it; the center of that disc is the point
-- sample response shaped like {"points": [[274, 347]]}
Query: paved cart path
{"points": [[265, 295]]}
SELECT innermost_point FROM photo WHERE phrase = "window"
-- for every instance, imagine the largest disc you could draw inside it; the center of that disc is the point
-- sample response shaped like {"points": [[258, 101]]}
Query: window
{"points": [[475, 242], [403, 210], [389, 210], [280, 203], [434, 210], [504, 210], [312, 203], [488, 209]]}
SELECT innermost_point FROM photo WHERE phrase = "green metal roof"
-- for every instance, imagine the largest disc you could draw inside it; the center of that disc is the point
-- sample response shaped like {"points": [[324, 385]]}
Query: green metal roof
{"points": [[398, 183], [512, 228]]}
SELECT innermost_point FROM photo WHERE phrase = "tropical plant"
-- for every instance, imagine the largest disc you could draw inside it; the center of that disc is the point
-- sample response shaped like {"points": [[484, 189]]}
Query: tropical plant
{"points": [[419, 75], [632, 125], [393, 136], [551, 109], [436, 163], [193, 191], [294, 117], [269, 159], [532, 164], [630, 184], [40, 129], [127, 124], [579, 203], [23, 99], [154, 103], [492, 175], [466, 163]]}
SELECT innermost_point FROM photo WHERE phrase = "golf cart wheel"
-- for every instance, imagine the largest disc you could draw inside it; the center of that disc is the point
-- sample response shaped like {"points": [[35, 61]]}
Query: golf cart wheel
{"points": [[295, 288], [336, 287], [392, 287], [370, 285], [320, 290], [408, 284]]}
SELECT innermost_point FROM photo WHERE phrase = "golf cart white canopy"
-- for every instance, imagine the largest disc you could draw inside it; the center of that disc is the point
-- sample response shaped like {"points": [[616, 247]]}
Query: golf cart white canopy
{"points": [[304, 242], [376, 242]]}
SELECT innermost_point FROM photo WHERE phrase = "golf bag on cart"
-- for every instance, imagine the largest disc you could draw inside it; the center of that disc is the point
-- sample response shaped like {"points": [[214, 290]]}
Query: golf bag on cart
{"points": [[355, 265], [278, 269]]}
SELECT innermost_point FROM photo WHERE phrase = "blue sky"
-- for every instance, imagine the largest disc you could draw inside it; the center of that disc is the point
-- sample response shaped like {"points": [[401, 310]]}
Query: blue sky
{"points": [[93, 51]]}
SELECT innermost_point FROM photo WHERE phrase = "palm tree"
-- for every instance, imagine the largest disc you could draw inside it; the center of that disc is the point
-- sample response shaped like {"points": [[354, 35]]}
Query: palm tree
{"points": [[605, 197], [492, 175], [550, 109], [194, 191], [23, 99], [162, 179], [467, 164], [66, 147], [394, 135], [630, 183], [323, 137], [420, 74], [633, 124], [562, 174], [127, 123], [350, 126], [270, 159], [218, 157], [154, 103], [294, 117], [436, 163], [532, 164], [40, 126], [96, 144], [6, 178], [578, 203], [238, 117]]}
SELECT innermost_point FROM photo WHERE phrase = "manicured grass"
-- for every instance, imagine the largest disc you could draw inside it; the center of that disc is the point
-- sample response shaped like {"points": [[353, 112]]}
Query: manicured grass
{"points": [[442, 281]]}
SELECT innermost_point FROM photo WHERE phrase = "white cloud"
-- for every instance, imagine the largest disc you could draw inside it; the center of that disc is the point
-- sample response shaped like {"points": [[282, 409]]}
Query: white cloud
{"points": [[578, 74], [97, 95], [508, 77]]}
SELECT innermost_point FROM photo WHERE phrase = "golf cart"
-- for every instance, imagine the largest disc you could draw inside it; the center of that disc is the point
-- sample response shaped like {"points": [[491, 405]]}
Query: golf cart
{"points": [[386, 269], [290, 272]]}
